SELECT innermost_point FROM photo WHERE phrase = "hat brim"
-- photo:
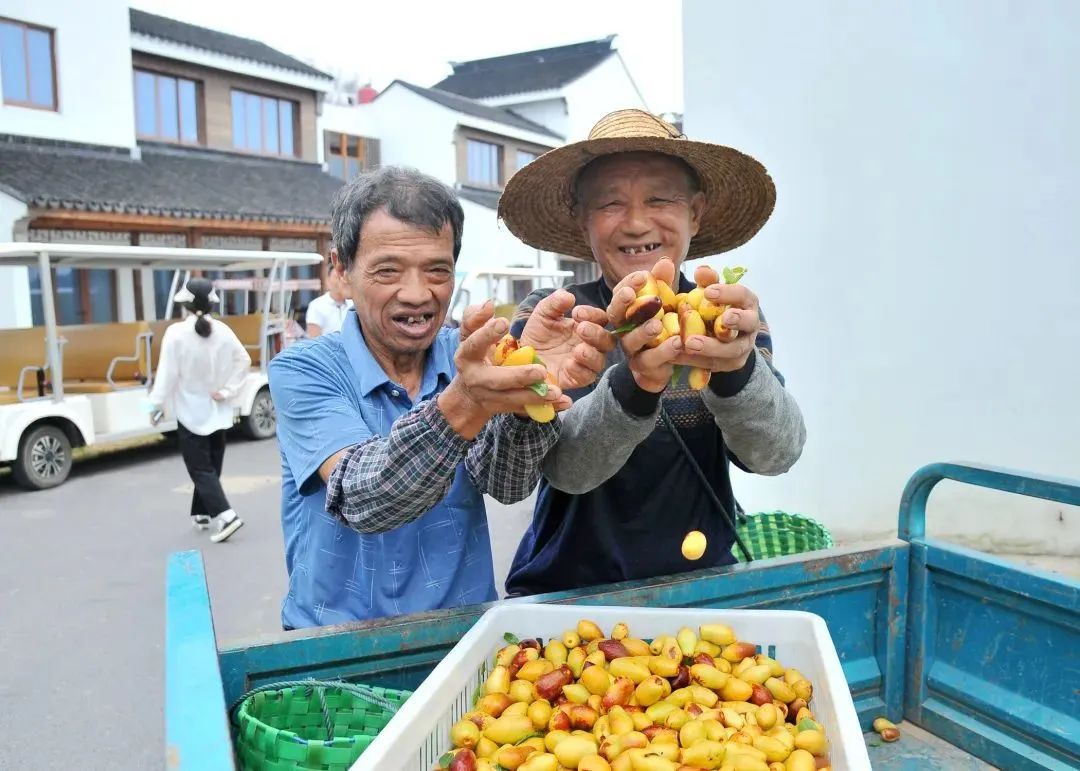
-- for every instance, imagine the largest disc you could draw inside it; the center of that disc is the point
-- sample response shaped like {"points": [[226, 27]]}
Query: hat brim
{"points": [[537, 203]]}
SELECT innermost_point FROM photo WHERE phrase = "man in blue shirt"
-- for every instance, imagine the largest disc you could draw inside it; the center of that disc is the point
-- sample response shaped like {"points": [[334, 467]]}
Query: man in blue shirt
{"points": [[393, 429]]}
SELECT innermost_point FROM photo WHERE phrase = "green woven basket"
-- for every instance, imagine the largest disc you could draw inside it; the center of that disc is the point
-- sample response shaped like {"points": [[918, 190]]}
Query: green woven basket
{"points": [[779, 534], [310, 725]]}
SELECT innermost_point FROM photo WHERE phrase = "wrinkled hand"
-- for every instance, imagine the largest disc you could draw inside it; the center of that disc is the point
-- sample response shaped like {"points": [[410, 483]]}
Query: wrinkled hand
{"points": [[742, 321], [652, 368], [574, 348], [481, 390]]}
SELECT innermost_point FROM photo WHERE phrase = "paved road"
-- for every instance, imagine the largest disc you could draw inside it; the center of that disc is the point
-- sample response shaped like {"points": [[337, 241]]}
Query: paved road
{"points": [[82, 592]]}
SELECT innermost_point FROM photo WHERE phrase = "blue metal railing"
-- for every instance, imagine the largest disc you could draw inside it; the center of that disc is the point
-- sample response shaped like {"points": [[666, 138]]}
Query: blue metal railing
{"points": [[912, 524]]}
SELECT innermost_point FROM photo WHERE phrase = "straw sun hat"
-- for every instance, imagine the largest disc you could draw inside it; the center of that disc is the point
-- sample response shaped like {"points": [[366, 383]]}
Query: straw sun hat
{"points": [[537, 204]]}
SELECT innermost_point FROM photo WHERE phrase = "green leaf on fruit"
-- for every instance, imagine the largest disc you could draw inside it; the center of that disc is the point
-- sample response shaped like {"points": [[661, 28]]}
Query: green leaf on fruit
{"points": [[625, 328], [511, 639], [533, 735], [444, 761], [676, 374], [732, 275], [540, 389], [806, 724]]}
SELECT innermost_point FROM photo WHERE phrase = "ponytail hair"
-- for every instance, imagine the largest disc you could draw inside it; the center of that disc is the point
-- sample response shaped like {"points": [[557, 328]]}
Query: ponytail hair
{"points": [[198, 296], [202, 325]]}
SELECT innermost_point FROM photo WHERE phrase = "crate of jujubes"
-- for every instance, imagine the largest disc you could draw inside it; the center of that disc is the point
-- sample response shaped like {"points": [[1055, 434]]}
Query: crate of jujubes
{"points": [[550, 687]]}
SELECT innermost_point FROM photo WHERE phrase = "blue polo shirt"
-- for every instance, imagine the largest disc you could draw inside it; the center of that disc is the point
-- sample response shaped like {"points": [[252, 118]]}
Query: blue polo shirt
{"points": [[331, 393]]}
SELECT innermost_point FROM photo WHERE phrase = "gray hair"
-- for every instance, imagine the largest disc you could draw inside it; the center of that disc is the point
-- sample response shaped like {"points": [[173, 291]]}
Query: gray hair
{"points": [[407, 195]]}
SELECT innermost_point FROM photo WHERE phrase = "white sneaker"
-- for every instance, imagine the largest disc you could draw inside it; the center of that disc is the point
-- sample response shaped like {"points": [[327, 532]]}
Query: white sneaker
{"points": [[200, 522], [227, 528]]}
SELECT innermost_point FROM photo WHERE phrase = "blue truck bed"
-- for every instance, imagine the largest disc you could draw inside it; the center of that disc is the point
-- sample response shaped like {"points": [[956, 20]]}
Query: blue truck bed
{"points": [[981, 655]]}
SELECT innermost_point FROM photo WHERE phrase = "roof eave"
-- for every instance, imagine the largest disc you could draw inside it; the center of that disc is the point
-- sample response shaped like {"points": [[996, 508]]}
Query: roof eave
{"points": [[172, 49], [517, 97], [466, 118], [57, 208]]}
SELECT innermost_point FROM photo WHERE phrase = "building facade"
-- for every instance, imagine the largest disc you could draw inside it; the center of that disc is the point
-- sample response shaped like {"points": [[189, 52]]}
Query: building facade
{"points": [[179, 135], [478, 126], [176, 135]]}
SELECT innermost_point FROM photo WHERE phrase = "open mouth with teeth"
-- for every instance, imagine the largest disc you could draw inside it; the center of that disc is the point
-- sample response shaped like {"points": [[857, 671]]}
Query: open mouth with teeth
{"points": [[415, 324], [634, 251]]}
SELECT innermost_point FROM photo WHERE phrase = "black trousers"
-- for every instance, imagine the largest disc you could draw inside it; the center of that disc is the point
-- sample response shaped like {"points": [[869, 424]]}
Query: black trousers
{"points": [[203, 457]]}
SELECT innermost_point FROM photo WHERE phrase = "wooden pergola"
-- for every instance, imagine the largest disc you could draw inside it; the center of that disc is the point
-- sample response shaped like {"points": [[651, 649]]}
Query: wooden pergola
{"points": [[193, 230]]}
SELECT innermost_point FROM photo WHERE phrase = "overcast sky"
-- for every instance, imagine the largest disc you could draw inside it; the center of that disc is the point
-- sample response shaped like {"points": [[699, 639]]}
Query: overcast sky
{"points": [[415, 39]]}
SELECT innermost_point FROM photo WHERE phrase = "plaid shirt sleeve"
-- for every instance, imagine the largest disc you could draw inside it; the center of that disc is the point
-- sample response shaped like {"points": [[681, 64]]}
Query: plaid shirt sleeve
{"points": [[506, 458], [386, 482]]}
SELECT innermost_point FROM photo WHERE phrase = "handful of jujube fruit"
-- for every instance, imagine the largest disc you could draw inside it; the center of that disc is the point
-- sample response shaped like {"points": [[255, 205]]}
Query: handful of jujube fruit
{"points": [[684, 314]]}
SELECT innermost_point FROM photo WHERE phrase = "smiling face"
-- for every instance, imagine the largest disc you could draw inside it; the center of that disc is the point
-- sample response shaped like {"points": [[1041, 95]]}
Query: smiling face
{"points": [[635, 208], [401, 280]]}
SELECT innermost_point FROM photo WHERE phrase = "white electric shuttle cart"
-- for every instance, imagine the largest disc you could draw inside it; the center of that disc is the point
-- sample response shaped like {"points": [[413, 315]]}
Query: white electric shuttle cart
{"points": [[83, 385]]}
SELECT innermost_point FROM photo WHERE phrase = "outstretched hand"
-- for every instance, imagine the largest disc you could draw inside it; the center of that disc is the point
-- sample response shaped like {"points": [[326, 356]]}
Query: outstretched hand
{"points": [[480, 389], [573, 347]]}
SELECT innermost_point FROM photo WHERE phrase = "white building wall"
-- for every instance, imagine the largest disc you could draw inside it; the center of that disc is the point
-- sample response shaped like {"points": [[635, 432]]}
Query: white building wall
{"points": [[415, 132], [14, 280], [93, 73], [551, 113], [920, 272], [603, 89], [487, 243]]}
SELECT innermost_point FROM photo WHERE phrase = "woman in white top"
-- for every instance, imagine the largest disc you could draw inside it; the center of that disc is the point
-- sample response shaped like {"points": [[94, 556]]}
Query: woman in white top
{"points": [[202, 366]]}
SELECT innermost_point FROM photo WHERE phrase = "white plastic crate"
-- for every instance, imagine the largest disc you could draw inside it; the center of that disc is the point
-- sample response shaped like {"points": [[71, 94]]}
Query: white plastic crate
{"points": [[419, 734]]}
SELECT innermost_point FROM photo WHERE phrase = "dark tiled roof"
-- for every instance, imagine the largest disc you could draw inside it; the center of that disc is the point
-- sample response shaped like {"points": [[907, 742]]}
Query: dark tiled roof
{"points": [[167, 181], [526, 72], [488, 198], [478, 110], [219, 42]]}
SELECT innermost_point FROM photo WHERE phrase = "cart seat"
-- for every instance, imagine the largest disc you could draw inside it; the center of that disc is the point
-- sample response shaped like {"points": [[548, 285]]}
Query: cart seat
{"points": [[20, 348], [91, 349], [248, 330]]}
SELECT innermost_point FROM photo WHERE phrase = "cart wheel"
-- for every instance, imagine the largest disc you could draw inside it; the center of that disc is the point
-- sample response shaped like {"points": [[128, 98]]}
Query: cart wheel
{"points": [[44, 458], [262, 422]]}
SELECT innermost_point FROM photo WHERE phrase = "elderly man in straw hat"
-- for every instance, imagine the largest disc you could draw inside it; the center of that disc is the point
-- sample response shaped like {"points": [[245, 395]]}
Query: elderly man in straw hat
{"points": [[641, 461]]}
